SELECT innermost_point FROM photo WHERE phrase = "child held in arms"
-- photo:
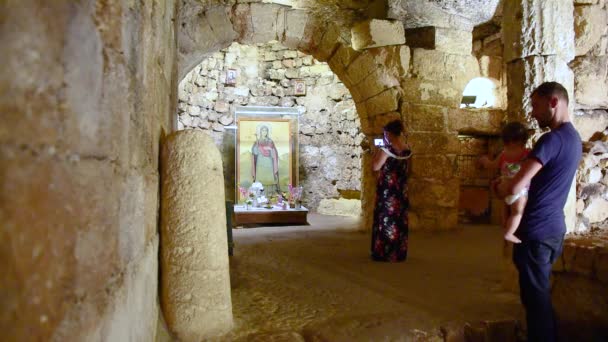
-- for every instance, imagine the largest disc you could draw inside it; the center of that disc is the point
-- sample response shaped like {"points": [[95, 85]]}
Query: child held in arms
{"points": [[508, 161]]}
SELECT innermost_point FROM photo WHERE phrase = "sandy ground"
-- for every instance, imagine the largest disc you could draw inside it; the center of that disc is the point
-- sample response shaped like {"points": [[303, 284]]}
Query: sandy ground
{"points": [[318, 282]]}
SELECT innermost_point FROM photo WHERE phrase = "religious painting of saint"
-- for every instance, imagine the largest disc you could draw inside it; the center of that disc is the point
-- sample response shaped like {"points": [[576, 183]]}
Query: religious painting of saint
{"points": [[264, 154], [231, 76], [299, 87]]}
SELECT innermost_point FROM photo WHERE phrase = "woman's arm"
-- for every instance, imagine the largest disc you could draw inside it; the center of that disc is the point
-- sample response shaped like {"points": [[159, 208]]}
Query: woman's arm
{"points": [[379, 159]]}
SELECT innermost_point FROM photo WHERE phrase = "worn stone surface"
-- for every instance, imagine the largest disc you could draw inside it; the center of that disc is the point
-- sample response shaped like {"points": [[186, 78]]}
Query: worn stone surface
{"points": [[588, 123], [475, 121], [529, 29], [591, 82], [457, 70], [374, 33], [195, 280], [340, 207], [526, 74], [433, 218], [580, 286], [79, 148], [589, 25], [425, 118], [454, 14], [203, 31], [453, 41]]}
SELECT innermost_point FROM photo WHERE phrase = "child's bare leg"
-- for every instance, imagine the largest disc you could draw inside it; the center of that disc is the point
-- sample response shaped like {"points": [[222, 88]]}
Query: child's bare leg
{"points": [[516, 213]]}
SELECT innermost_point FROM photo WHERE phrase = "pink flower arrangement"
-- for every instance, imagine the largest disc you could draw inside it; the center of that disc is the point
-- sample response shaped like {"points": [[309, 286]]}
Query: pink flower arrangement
{"points": [[295, 193], [243, 191]]}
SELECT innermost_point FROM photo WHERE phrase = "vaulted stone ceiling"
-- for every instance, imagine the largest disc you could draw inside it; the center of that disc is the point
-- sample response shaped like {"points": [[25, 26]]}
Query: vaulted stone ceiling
{"points": [[461, 14]]}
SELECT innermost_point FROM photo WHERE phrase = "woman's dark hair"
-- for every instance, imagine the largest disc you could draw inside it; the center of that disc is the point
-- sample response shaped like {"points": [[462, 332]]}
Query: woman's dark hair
{"points": [[394, 127], [515, 132]]}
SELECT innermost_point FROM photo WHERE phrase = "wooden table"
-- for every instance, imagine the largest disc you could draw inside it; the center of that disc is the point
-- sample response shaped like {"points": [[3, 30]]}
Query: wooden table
{"points": [[243, 216]]}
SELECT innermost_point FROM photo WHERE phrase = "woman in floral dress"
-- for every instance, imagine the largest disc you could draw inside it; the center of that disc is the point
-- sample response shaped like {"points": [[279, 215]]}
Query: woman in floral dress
{"points": [[390, 229]]}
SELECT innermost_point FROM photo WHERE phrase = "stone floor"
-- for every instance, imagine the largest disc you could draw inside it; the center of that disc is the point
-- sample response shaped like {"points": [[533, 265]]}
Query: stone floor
{"points": [[317, 283]]}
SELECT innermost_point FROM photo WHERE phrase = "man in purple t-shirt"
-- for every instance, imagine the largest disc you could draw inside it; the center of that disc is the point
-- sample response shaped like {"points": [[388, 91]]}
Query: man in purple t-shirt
{"points": [[549, 169]]}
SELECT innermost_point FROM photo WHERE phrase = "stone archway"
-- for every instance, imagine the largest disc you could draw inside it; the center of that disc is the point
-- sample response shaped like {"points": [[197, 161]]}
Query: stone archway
{"points": [[386, 82]]}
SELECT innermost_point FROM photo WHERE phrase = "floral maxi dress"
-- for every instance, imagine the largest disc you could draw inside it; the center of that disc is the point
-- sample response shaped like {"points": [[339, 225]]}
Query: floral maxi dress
{"points": [[390, 229]]}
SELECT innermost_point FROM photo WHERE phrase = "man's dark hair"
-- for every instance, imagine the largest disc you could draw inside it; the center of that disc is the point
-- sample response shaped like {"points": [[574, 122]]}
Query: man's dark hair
{"points": [[515, 132], [551, 89], [395, 127]]}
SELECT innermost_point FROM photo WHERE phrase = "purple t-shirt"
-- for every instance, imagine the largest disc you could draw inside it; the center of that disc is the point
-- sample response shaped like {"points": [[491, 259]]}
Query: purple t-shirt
{"points": [[559, 151]]}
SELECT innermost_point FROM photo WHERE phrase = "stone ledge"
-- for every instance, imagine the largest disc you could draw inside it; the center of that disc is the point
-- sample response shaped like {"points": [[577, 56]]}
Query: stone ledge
{"points": [[585, 256]]}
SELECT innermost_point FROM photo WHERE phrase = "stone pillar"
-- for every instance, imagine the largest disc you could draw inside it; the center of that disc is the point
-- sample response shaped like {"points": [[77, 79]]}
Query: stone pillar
{"points": [[539, 43], [195, 278]]}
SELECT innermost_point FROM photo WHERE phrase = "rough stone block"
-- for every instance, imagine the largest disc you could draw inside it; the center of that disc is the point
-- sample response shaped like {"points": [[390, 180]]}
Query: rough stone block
{"points": [[434, 143], [457, 70], [581, 305], [433, 166], [568, 254], [363, 65], [597, 211], [264, 23], [377, 82], [448, 40], [475, 121], [425, 118], [341, 60], [588, 124], [526, 74], [218, 18], [295, 24], [384, 102], [601, 265], [589, 24], [529, 29], [313, 33], [433, 192], [328, 44], [340, 207], [583, 261], [453, 41], [591, 81], [433, 218], [437, 93], [375, 32], [492, 67]]}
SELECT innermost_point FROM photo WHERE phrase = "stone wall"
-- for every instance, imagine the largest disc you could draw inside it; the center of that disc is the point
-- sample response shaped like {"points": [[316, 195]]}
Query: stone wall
{"points": [[87, 91], [330, 134], [580, 288], [590, 68]]}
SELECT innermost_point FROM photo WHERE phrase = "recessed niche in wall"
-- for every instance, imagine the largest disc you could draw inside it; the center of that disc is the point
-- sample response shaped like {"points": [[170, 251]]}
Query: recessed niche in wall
{"points": [[480, 92]]}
